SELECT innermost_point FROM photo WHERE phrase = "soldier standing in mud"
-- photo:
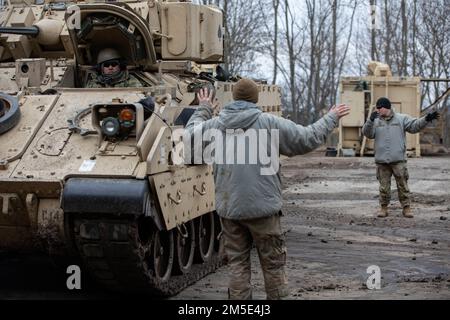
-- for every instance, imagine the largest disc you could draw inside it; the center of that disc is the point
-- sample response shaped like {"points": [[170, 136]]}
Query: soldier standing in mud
{"points": [[248, 202], [388, 129]]}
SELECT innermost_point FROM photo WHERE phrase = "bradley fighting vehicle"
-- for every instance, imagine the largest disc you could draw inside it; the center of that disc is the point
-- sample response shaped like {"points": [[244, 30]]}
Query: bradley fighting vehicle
{"points": [[88, 173]]}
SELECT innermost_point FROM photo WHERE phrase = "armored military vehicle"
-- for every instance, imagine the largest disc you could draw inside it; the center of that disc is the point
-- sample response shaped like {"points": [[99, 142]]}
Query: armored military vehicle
{"points": [[93, 174]]}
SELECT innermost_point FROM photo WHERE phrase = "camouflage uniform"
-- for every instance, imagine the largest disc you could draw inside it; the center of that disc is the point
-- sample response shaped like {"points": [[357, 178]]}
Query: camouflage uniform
{"points": [[268, 238], [400, 172], [129, 81], [390, 154]]}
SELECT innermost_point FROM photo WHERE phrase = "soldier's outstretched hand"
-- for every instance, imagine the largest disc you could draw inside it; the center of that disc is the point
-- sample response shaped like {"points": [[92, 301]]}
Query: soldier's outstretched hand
{"points": [[205, 96], [341, 110]]}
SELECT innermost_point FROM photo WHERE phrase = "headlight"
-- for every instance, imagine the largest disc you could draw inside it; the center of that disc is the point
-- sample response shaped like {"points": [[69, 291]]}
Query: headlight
{"points": [[110, 126]]}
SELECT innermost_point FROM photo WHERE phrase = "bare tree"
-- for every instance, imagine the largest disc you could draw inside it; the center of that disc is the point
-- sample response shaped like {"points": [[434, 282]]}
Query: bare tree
{"points": [[311, 44], [387, 21], [292, 54], [272, 32], [333, 48], [373, 47], [243, 33], [413, 39], [404, 60], [276, 5], [415, 36], [313, 65]]}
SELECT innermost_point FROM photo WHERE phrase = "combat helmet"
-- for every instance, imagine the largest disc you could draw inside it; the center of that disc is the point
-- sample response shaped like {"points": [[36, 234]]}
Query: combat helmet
{"points": [[107, 54]]}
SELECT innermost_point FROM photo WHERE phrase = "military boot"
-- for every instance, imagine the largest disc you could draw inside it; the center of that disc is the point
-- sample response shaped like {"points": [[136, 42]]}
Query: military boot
{"points": [[407, 212], [383, 213]]}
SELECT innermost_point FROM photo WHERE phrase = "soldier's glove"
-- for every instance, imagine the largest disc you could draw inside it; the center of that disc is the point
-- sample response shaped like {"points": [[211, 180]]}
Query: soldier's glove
{"points": [[148, 103], [149, 106], [374, 115], [431, 116]]}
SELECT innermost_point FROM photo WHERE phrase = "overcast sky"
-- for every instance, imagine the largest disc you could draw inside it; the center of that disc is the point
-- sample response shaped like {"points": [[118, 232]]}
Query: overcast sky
{"points": [[362, 22]]}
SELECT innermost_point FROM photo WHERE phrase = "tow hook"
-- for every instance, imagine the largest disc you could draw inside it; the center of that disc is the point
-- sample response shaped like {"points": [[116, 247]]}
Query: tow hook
{"points": [[9, 201]]}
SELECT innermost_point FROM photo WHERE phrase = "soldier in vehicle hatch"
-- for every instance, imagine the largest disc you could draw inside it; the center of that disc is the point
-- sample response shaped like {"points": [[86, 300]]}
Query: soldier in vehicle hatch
{"points": [[111, 71]]}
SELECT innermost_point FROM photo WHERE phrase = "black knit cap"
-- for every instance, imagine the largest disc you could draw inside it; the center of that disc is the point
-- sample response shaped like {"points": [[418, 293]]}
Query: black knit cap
{"points": [[384, 103]]}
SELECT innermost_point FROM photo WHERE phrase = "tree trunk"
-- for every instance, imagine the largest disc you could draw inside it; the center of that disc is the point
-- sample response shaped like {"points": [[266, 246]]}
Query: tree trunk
{"points": [[373, 47], [333, 51], [312, 60], [404, 39], [276, 4], [291, 57], [226, 54], [387, 52], [414, 31]]}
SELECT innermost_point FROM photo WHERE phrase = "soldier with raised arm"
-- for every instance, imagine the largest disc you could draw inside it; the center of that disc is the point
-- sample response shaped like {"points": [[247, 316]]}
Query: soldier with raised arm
{"points": [[389, 128], [248, 199]]}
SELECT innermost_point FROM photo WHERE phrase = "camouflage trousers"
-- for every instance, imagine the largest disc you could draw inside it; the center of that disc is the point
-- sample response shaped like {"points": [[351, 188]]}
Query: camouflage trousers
{"points": [[265, 233], [400, 172]]}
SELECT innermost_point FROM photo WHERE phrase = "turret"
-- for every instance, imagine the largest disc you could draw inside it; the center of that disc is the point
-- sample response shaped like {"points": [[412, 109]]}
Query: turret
{"points": [[46, 31], [178, 31], [34, 31]]}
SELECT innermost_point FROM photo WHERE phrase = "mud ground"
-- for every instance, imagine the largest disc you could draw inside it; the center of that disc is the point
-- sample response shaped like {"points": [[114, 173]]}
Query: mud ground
{"points": [[332, 237]]}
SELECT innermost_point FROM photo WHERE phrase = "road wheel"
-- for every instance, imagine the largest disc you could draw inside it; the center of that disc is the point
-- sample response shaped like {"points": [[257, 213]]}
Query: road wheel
{"points": [[206, 236], [163, 254], [185, 247]]}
